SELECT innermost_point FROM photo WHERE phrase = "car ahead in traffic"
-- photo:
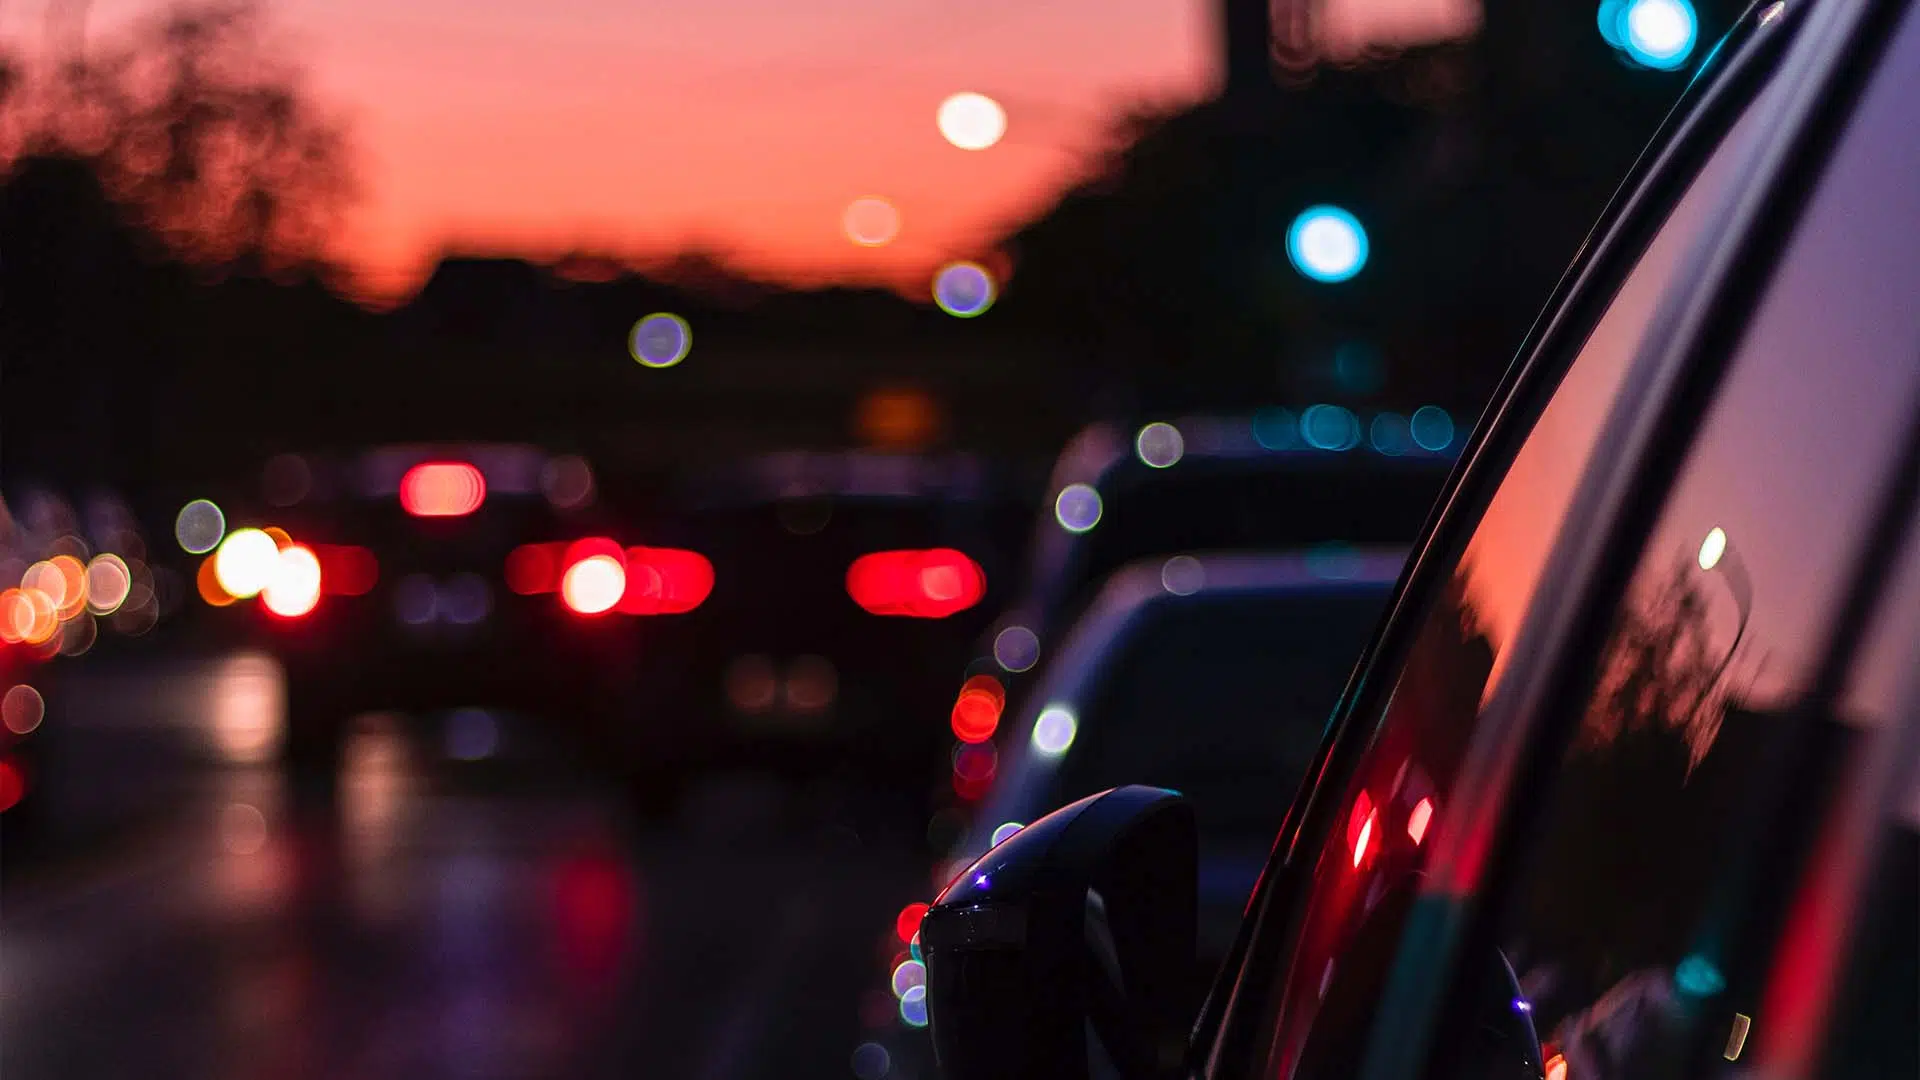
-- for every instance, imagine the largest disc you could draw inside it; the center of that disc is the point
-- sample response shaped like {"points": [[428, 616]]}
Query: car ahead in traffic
{"points": [[1625, 785], [449, 582], [1212, 674], [1270, 480], [847, 587]]}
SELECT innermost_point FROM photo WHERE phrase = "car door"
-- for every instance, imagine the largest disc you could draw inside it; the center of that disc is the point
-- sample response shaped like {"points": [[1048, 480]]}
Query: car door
{"points": [[1596, 481]]}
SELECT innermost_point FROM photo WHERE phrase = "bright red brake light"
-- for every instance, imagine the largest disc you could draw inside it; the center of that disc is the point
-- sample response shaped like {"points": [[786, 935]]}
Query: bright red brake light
{"points": [[918, 584], [295, 588], [594, 585], [442, 489], [666, 581]]}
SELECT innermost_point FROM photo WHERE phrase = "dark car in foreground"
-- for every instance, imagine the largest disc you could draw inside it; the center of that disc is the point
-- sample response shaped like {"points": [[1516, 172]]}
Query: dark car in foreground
{"points": [[1626, 784], [1211, 674]]}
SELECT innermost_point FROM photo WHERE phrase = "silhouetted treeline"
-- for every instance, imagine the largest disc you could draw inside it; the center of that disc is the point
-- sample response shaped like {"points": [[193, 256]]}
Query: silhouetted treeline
{"points": [[166, 312]]}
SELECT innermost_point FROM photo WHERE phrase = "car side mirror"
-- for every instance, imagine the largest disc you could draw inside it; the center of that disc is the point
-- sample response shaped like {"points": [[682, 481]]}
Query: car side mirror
{"points": [[1066, 952]]}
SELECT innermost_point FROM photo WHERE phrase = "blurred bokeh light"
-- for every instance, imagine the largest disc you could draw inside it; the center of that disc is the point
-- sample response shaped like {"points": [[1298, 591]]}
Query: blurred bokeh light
{"points": [[971, 120]]}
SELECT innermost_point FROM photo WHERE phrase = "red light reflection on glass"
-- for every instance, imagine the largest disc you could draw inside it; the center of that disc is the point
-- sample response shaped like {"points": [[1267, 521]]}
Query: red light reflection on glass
{"points": [[1360, 828], [917, 584], [595, 907], [442, 489], [907, 923], [976, 713], [1419, 819]]}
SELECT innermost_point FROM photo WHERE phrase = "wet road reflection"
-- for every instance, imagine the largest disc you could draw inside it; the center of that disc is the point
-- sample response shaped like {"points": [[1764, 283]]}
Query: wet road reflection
{"points": [[433, 928]]}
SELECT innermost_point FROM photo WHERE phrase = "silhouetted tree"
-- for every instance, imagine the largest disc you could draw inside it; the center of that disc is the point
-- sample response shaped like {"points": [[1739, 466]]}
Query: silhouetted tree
{"points": [[1627, 818], [191, 122]]}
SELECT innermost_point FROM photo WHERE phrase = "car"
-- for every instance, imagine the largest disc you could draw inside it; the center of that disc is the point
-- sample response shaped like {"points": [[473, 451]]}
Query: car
{"points": [[1209, 673], [446, 581], [1625, 785], [1272, 479], [847, 586]]}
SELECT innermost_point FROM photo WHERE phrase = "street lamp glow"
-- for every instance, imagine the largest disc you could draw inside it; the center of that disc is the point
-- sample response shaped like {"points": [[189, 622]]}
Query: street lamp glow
{"points": [[1327, 244], [1660, 33], [971, 121], [1713, 548]]}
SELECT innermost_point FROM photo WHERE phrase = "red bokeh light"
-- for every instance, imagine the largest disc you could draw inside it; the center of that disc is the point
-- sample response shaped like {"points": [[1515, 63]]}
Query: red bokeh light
{"points": [[442, 489], [13, 785], [918, 584], [666, 581], [1418, 820], [346, 570], [974, 768], [593, 585], [533, 569], [907, 923]]}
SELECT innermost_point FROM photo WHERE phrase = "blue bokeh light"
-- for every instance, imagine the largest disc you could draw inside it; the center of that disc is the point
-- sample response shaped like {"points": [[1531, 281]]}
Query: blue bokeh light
{"points": [[871, 1061], [1077, 508], [913, 1007], [963, 289], [660, 340], [1276, 429], [1432, 428], [1327, 244], [1390, 434], [1330, 427], [1016, 648], [1659, 34]]}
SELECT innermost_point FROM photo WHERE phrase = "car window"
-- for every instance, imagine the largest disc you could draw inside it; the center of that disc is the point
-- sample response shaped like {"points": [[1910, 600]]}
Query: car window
{"points": [[1245, 508], [1222, 701], [1647, 907], [1456, 661]]}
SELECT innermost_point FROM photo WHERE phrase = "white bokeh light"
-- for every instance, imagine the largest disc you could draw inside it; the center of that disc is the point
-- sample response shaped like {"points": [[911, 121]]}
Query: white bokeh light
{"points": [[972, 121]]}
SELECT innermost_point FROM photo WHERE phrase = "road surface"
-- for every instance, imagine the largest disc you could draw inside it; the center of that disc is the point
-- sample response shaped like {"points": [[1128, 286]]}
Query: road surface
{"points": [[440, 925]]}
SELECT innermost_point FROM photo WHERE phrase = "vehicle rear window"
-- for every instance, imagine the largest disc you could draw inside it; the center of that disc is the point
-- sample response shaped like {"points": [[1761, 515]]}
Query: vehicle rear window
{"points": [[1223, 701]]}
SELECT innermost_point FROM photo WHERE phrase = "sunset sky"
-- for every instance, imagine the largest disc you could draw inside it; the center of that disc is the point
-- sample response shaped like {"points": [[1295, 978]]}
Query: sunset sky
{"points": [[643, 126]]}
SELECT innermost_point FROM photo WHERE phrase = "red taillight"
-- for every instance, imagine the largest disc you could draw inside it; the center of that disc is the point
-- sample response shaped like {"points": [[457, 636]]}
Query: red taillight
{"points": [[649, 581], [918, 584], [442, 489], [666, 581], [593, 585], [347, 571], [295, 588], [533, 569]]}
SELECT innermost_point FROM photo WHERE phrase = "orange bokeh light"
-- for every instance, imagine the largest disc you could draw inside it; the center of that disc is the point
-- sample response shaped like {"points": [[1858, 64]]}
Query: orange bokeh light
{"points": [[208, 584]]}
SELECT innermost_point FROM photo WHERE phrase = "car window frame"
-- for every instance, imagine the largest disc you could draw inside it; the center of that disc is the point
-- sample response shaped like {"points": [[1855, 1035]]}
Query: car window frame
{"points": [[1691, 346], [1640, 208]]}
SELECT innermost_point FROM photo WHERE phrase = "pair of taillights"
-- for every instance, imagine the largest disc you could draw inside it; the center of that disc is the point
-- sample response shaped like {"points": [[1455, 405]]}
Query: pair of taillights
{"points": [[592, 576], [596, 576]]}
